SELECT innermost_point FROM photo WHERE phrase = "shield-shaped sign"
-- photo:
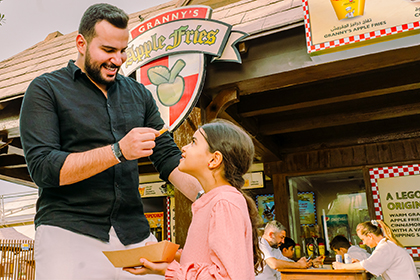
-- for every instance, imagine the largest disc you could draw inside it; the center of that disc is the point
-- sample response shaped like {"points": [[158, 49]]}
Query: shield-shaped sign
{"points": [[175, 83], [167, 52]]}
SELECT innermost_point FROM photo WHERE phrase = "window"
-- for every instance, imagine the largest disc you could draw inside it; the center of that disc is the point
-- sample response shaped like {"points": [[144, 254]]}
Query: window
{"points": [[340, 195]]}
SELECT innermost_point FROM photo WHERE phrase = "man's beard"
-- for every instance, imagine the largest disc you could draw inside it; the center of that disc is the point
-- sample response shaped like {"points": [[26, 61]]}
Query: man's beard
{"points": [[274, 244], [93, 70]]}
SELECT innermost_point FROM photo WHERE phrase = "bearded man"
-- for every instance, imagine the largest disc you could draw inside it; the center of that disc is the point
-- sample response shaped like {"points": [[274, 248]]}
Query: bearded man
{"points": [[270, 241], [83, 128]]}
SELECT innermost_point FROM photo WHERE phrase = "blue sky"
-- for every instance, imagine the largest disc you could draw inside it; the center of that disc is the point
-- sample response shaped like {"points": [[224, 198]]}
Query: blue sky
{"points": [[30, 21]]}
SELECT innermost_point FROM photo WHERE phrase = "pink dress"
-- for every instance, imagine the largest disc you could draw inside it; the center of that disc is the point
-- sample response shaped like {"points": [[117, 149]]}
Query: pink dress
{"points": [[219, 241]]}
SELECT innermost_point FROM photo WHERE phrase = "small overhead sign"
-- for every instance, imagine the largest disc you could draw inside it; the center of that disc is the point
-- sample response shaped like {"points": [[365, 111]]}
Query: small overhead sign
{"points": [[335, 25]]}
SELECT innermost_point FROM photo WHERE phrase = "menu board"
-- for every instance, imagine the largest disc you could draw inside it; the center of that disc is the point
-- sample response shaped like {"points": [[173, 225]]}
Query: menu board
{"points": [[400, 200]]}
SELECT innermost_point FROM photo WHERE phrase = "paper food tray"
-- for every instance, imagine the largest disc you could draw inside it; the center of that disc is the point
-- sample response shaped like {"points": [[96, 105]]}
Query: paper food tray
{"points": [[163, 251]]}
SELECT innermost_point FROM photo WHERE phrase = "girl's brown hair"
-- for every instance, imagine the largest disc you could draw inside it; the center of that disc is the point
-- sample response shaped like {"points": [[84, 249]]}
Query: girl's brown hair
{"points": [[238, 153], [378, 228]]}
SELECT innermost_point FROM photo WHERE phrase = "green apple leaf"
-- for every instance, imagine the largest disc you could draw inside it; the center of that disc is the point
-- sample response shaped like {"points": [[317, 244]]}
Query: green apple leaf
{"points": [[158, 75]]}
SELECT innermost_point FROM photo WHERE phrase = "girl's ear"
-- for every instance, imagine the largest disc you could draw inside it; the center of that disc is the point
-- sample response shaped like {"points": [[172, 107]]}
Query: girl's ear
{"points": [[216, 160]]}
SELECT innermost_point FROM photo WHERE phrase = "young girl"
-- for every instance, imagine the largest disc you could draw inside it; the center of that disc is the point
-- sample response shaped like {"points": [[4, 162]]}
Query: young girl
{"points": [[389, 259], [222, 241]]}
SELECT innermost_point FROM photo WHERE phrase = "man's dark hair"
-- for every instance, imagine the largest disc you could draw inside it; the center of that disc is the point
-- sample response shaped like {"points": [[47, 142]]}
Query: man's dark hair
{"points": [[339, 242], [97, 13], [288, 242]]}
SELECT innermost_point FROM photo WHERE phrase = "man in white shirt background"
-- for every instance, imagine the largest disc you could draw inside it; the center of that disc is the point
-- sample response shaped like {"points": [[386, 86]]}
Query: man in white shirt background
{"points": [[273, 237]]}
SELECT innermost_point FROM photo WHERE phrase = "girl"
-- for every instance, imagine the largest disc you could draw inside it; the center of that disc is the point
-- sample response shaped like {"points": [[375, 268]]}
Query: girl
{"points": [[222, 241], [390, 259]]}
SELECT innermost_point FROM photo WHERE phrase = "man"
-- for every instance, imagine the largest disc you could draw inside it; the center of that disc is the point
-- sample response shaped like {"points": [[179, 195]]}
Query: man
{"points": [[341, 246], [274, 234], [83, 127]]}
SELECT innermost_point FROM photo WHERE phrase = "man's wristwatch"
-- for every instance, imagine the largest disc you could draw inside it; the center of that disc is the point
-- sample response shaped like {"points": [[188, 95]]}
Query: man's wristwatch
{"points": [[199, 194], [117, 152]]}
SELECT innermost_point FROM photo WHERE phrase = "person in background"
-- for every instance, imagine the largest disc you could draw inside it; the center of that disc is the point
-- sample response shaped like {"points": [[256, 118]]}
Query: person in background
{"points": [[341, 246], [273, 237], [287, 249], [222, 241], [83, 128], [389, 259]]}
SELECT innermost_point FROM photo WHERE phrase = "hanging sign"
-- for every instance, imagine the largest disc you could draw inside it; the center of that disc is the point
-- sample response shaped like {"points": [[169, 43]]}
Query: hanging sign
{"points": [[169, 53], [335, 25]]}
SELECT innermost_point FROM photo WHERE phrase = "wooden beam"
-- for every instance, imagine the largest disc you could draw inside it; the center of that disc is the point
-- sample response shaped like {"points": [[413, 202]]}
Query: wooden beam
{"points": [[18, 181], [18, 173], [328, 101], [288, 126], [265, 148], [11, 159], [223, 100], [319, 72]]}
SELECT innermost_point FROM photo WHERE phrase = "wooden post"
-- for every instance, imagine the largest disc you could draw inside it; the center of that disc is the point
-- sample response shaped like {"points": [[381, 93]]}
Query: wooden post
{"points": [[281, 200], [183, 215]]}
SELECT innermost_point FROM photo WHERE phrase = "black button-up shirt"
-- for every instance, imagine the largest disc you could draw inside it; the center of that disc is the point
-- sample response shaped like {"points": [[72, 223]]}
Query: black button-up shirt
{"points": [[64, 112]]}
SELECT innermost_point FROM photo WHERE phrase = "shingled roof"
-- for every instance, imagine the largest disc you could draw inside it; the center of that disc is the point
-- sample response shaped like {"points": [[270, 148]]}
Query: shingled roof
{"points": [[256, 17]]}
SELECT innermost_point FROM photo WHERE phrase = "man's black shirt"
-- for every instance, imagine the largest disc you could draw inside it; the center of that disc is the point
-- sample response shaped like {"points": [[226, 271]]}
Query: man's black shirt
{"points": [[63, 112]]}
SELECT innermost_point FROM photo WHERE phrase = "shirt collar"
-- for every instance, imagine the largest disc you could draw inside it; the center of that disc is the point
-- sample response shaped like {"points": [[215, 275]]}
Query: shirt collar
{"points": [[74, 70]]}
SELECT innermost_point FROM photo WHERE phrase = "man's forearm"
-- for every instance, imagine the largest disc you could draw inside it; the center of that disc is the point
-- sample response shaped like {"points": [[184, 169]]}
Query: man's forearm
{"points": [[80, 166], [281, 264], [185, 183]]}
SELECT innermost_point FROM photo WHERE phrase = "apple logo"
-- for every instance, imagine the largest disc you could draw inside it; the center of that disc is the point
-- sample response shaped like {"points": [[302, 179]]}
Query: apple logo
{"points": [[170, 85]]}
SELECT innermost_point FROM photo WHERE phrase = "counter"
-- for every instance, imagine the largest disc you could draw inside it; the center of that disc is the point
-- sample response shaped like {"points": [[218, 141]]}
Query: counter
{"points": [[322, 274]]}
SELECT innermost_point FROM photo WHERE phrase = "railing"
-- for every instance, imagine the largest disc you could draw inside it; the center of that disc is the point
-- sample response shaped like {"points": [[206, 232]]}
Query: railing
{"points": [[17, 260], [17, 209]]}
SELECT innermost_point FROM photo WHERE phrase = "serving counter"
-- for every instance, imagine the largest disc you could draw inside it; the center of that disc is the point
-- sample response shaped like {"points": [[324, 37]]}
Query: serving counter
{"points": [[323, 274]]}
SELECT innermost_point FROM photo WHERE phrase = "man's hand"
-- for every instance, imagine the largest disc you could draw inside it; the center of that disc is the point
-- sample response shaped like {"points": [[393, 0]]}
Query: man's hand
{"points": [[303, 263], [148, 268], [138, 143]]}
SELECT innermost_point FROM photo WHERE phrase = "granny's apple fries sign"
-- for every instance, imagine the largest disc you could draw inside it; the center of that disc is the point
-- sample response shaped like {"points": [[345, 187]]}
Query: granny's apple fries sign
{"points": [[168, 51]]}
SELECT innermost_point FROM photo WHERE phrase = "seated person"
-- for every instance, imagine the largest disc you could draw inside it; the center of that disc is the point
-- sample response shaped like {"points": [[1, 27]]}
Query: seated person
{"points": [[389, 259], [273, 237], [341, 246], [287, 248]]}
